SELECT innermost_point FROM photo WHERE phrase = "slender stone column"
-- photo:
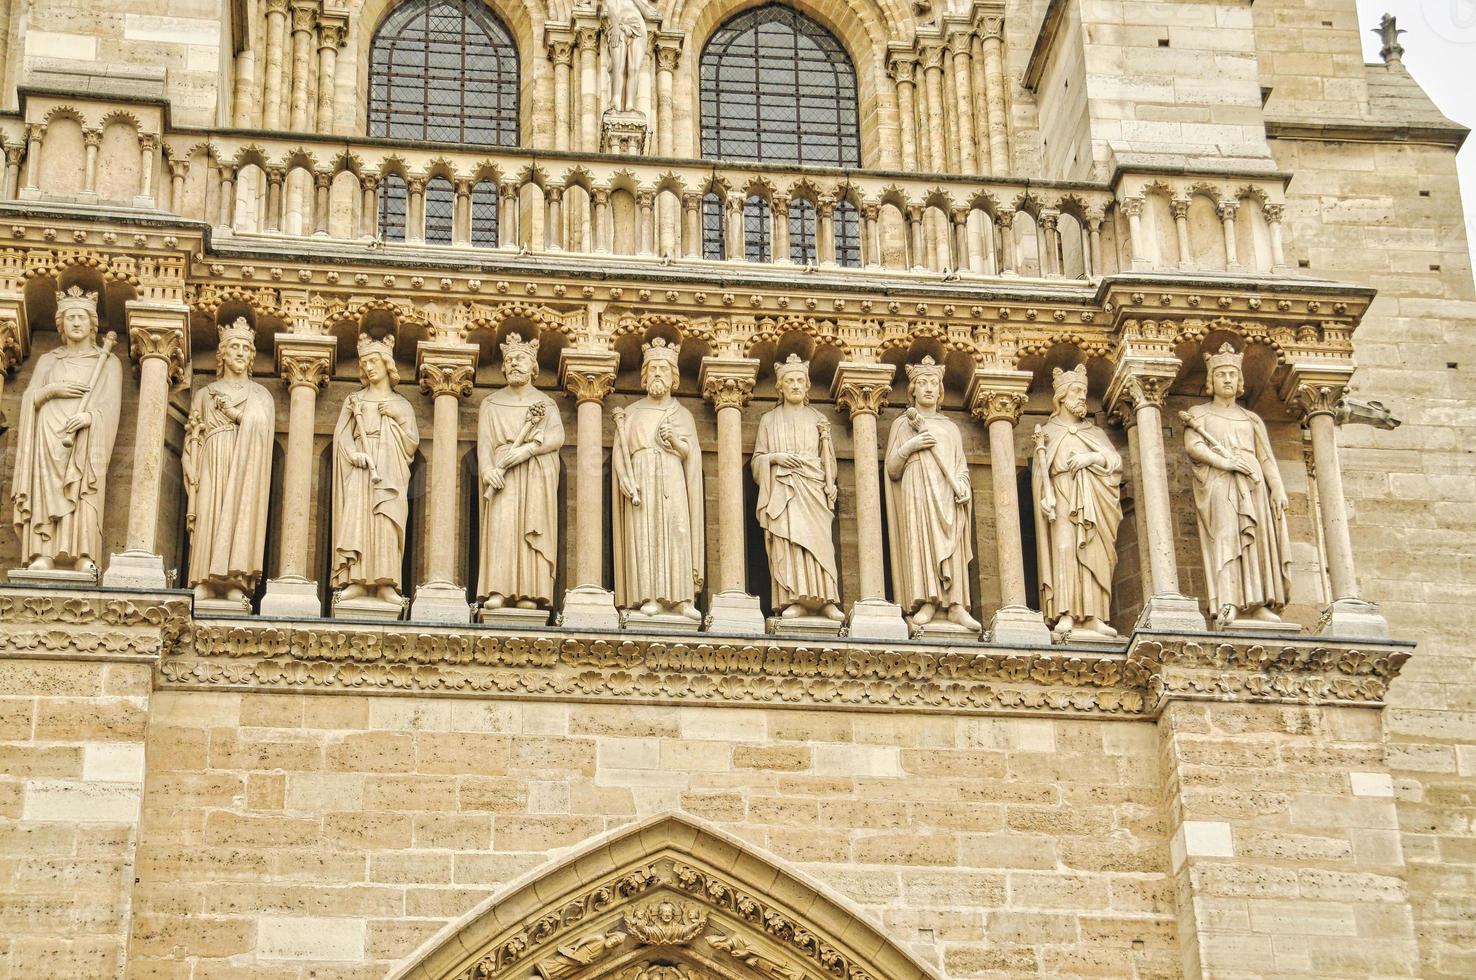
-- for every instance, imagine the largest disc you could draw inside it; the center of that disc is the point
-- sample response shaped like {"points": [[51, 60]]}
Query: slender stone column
{"points": [[737, 250], [322, 181], [1140, 383], [446, 372], [601, 221], [932, 61], [178, 171], [92, 141], [1124, 416], [1050, 241], [589, 376], [34, 132], [692, 226], [825, 231], [553, 231], [271, 109], [961, 262], [903, 69], [332, 34], [1180, 209], [1094, 237], [247, 90], [871, 222], [779, 208], [588, 37], [1275, 213], [507, 214], [1314, 389], [961, 45], [727, 382], [862, 390], [227, 198], [304, 18], [369, 206], [561, 53], [159, 341], [997, 397], [461, 229], [415, 210], [668, 56], [1133, 208], [1227, 211], [917, 233], [1004, 223], [148, 158], [305, 363], [13, 154], [991, 29], [646, 202]]}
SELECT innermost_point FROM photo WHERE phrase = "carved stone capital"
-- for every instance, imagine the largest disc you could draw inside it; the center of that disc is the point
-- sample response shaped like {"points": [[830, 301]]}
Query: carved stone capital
{"points": [[160, 330], [304, 360], [445, 369], [1226, 210], [668, 50], [304, 16], [14, 333], [996, 394], [1132, 207], [932, 57], [727, 382], [961, 43], [1313, 388], [862, 389], [588, 38], [1179, 206], [332, 32], [1139, 381], [903, 68], [1274, 213], [92, 138], [990, 26], [278, 7], [561, 50], [588, 375], [1048, 218]]}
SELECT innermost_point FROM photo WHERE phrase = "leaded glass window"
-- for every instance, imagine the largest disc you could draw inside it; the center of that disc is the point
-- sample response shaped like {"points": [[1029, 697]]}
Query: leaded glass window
{"points": [[714, 242], [779, 88], [484, 214], [392, 194], [802, 232], [756, 223], [444, 70], [848, 234], [440, 206]]}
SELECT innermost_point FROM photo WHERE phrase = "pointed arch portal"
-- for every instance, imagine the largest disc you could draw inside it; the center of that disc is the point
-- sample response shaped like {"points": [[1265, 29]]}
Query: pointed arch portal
{"points": [[665, 899]]}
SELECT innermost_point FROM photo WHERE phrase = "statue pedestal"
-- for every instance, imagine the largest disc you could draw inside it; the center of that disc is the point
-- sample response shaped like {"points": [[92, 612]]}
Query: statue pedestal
{"points": [[876, 619], [634, 619], [222, 608], [1172, 613], [625, 133], [589, 607], [1260, 628], [50, 576], [735, 612], [945, 629], [291, 597], [1018, 625], [808, 627], [513, 616], [440, 602], [368, 607], [135, 570], [1084, 637], [1354, 619]]}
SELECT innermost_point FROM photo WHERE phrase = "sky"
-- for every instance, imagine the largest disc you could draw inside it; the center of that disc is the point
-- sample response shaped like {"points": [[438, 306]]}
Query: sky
{"points": [[1439, 50]]}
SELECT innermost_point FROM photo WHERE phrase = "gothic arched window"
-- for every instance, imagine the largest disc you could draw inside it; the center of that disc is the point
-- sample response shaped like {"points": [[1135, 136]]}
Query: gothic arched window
{"points": [[444, 70], [778, 87]]}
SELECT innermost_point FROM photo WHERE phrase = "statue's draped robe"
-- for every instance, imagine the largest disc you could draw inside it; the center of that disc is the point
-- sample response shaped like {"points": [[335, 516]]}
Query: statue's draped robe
{"points": [[58, 491], [658, 545], [1077, 550], [929, 531], [369, 519], [1245, 547], [520, 522], [228, 470], [792, 507]]}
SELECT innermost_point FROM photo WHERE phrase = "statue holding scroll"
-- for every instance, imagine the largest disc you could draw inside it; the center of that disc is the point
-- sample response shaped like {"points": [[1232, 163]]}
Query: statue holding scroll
{"points": [[794, 467], [930, 506], [658, 512], [373, 444], [519, 434], [68, 420], [1239, 500], [227, 465], [1078, 508]]}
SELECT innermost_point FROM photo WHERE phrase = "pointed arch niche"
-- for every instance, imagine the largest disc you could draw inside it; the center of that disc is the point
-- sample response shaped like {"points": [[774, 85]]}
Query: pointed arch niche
{"points": [[664, 899]]}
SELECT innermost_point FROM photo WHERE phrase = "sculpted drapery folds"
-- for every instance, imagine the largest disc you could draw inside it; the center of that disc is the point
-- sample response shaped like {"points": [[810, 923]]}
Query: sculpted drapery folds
{"points": [[626, 36], [658, 514], [68, 420], [794, 467], [227, 469], [519, 433], [1078, 480], [1239, 500], [373, 444], [930, 505]]}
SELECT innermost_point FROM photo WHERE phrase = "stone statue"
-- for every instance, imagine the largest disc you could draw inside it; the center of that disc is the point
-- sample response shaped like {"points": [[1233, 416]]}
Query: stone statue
{"points": [[1078, 507], [658, 513], [228, 469], [519, 434], [68, 420], [794, 467], [373, 444], [753, 958], [571, 958], [626, 41], [930, 506], [1239, 499]]}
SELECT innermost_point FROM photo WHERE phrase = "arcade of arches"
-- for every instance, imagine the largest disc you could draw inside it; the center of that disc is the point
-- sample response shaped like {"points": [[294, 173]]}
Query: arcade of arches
{"points": [[658, 490]]}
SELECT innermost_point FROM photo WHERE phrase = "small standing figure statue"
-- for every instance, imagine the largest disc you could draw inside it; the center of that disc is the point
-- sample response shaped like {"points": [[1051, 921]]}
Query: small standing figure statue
{"points": [[626, 38], [930, 506], [373, 444], [1078, 501], [519, 434], [658, 513], [1239, 500], [68, 420], [227, 469], [794, 467]]}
